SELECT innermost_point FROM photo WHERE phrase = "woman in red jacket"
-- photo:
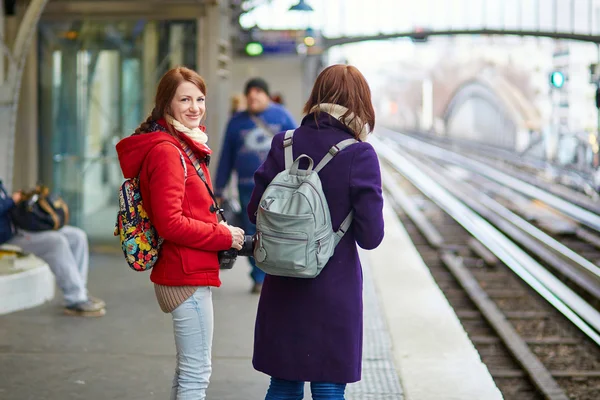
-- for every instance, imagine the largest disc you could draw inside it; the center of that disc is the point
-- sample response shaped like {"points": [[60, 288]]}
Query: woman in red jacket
{"points": [[180, 207]]}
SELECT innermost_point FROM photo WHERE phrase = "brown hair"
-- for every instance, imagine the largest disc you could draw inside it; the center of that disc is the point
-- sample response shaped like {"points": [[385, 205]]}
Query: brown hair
{"points": [[346, 86], [166, 91]]}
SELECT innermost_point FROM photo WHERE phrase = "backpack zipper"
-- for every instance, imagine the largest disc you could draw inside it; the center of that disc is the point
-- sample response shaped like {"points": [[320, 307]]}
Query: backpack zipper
{"points": [[124, 193], [285, 238], [261, 245], [309, 184]]}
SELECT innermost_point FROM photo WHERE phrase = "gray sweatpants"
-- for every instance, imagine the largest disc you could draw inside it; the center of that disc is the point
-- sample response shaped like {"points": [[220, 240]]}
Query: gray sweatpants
{"points": [[66, 252]]}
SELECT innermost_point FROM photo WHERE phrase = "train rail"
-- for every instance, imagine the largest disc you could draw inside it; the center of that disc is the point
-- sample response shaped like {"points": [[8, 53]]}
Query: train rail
{"points": [[520, 316], [578, 185], [567, 201]]}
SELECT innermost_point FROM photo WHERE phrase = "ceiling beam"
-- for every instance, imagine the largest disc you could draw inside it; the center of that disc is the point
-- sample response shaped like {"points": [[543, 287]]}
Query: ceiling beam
{"points": [[330, 42], [125, 9]]}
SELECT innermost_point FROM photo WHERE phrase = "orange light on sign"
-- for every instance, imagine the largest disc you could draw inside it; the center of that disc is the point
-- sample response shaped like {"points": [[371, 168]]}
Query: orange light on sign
{"points": [[71, 35]]}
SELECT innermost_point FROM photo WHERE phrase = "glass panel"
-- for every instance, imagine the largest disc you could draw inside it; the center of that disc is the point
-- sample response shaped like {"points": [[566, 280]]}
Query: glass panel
{"points": [[97, 82]]}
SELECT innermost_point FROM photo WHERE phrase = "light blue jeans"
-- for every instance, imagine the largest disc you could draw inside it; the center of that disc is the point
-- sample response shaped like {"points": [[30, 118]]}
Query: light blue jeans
{"points": [[280, 389], [193, 327]]}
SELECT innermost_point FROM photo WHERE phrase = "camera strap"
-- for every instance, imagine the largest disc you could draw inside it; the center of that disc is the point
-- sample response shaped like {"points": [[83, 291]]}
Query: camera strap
{"points": [[190, 153]]}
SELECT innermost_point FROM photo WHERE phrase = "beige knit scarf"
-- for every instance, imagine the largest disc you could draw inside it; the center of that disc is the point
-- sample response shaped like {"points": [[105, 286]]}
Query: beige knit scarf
{"points": [[351, 121], [195, 134]]}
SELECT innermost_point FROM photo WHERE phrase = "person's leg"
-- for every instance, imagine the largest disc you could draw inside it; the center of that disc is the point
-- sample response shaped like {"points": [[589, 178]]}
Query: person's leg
{"points": [[257, 275], [175, 384], [327, 390], [53, 248], [280, 389], [78, 242], [193, 328]]}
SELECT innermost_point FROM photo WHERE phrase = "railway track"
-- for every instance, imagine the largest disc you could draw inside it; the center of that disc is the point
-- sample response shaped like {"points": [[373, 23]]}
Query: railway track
{"points": [[535, 346], [505, 173], [576, 184]]}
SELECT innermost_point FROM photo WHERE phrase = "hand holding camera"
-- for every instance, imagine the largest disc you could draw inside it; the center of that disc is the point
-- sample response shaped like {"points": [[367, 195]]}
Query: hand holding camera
{"points": [[242, 245], [237, 235]]}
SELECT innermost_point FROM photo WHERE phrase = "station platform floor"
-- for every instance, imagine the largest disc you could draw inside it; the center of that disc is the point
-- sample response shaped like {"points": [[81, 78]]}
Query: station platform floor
{"points": [[414, 346]]}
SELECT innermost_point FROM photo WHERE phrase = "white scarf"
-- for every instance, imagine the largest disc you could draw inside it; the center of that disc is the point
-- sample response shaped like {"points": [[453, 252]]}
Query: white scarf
{"points": [[195, 134], [337, 111]]}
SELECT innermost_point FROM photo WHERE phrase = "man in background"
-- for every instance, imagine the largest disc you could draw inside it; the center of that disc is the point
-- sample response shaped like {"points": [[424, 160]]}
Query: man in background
{"points": [[246, 145]]}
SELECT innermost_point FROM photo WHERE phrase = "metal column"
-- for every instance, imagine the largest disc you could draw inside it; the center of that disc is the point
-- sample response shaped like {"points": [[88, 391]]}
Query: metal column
{"points": [[214, 64]]}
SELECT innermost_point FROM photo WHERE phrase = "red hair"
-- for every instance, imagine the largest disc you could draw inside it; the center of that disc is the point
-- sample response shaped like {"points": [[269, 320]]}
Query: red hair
{"points": [[346, 86]]}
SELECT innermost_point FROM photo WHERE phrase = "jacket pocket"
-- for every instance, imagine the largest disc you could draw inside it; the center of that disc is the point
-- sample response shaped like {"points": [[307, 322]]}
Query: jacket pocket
{"points": [[197, 261]]}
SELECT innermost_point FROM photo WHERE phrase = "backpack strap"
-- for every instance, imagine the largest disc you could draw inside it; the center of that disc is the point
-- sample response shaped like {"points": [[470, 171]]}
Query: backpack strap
{"points": [[333, 151], [287, 148], [339, 234], [182, 161]]}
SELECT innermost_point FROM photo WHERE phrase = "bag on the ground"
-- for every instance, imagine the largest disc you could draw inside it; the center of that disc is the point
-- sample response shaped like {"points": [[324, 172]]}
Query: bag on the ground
{"points": [[40, 210], [139, 239], [294, 235]]}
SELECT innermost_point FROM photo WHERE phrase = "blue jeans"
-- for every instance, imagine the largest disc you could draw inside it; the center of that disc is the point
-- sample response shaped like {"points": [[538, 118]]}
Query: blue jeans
{"points": [[249, 228], [281, 389], [193, 327]]}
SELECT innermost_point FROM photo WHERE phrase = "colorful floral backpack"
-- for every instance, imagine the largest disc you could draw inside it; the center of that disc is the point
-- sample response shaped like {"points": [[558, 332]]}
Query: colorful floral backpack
{"points": [[139, 239]]}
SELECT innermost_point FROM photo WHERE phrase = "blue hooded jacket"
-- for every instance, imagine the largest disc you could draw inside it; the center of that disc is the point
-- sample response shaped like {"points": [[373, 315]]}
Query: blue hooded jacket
{"points": [[6, 204]]}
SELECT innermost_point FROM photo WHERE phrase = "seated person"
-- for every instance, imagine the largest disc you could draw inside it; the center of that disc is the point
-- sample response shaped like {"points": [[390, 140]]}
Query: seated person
{"points": [[64, 250]]}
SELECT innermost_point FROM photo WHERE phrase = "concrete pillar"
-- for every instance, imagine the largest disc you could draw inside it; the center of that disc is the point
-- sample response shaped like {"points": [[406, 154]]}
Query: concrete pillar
{"points": [[9, 27], [149, 65], [312, 67], [176, 39], [10, 88], [2, 43], [26, 140], [214, 64]]}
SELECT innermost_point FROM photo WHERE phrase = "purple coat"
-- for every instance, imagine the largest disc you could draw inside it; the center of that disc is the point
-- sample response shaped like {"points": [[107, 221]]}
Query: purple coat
{"points": [[311, 329]]}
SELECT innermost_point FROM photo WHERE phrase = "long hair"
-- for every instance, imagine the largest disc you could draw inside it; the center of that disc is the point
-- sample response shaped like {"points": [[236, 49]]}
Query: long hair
{"points": [[346, 86], [165, 92]]}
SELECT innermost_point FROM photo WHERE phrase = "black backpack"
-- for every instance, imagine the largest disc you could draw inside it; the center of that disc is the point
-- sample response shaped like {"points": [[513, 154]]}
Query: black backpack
{"points": [[40, 210]]}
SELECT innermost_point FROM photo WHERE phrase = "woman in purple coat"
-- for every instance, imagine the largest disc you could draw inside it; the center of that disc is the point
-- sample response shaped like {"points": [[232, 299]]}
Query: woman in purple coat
{"points": [[310, 330]]}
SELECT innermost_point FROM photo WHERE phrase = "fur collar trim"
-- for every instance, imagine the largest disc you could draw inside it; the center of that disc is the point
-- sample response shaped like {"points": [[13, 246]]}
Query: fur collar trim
{"points": [[351, 121]]}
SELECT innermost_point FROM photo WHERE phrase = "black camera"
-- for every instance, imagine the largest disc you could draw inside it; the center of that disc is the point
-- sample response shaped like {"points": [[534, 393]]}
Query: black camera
{"points": [[227, 257]]}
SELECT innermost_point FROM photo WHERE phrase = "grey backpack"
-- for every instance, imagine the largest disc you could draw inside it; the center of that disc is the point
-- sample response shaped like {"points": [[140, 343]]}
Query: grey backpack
{"points": [[294, 236]]}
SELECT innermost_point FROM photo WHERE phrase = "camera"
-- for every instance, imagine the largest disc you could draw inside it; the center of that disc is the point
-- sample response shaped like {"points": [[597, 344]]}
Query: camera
{"points": [[227, 257]]}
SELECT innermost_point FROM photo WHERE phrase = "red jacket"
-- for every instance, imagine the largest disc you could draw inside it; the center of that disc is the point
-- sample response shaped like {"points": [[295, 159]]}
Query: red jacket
{"points": [[179, 209]]}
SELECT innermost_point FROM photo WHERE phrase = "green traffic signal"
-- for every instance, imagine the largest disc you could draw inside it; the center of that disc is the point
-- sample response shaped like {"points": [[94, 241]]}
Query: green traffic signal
{"points": [[557, 79], [254, 49]]}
